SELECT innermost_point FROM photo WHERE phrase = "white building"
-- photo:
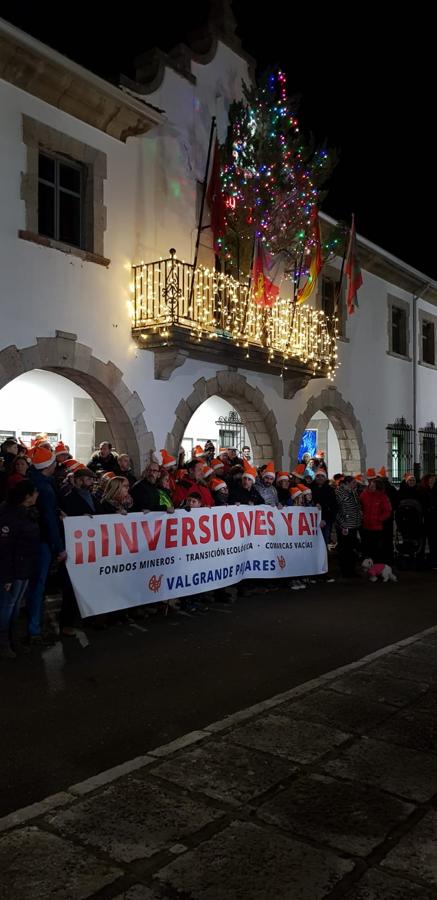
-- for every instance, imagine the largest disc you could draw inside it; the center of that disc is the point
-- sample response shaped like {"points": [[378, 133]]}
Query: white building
{"points": [[96, 179]]}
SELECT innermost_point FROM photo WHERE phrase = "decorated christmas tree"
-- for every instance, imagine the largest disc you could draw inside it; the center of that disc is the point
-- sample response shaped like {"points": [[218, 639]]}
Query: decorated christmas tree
{"points": [[272, 182]]}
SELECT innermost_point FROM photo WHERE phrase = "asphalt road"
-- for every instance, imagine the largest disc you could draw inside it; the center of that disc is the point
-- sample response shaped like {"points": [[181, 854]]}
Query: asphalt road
{"points": [[73, 710]]}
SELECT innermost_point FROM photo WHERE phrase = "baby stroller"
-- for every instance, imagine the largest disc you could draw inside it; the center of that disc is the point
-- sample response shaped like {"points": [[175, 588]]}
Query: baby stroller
{"points": [[410, 532]]}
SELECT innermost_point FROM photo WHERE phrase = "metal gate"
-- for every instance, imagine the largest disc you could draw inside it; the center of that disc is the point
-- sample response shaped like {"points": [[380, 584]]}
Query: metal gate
{"points": [[428, 448], [232, 432], [400, 438]]}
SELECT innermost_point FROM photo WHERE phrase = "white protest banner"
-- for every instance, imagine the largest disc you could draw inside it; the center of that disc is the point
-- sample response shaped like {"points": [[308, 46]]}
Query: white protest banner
{"points": [[115, 562]]}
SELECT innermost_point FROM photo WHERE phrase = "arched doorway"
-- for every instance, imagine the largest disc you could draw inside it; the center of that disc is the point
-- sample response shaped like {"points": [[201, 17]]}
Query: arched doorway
{"points": [[247, 401], [218, 421], [338, 431], [102, 382]]}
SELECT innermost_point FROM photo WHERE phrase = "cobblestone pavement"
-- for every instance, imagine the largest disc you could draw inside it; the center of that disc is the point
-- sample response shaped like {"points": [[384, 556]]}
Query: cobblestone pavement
{"points": [[328, 790]]}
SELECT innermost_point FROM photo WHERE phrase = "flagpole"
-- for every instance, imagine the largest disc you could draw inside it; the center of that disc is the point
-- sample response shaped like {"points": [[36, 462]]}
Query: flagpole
{"points": [[202, 207]]}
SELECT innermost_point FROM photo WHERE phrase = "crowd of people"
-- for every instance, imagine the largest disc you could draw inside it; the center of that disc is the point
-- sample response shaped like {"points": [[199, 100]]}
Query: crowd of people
{"points": [[41, 485]]}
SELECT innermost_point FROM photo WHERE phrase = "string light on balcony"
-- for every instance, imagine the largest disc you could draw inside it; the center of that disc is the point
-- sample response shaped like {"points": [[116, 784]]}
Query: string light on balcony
{"points": [[224, 309]]}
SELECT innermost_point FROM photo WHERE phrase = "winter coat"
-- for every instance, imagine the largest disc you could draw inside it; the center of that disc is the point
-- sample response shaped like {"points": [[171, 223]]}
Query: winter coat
{"points": [[47, 505], [324, 496], [146, 496], [19, 544], [239, 494], [76, 504], [376, 509], [107, 464], [267, 492], [348, 508], [284, 496], [111, 508], [188, 486]]}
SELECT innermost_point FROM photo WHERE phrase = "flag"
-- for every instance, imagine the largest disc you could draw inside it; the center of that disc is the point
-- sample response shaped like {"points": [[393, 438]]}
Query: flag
{"points": [[353, 271], [315, 266], [215, 198], [267, 274]]}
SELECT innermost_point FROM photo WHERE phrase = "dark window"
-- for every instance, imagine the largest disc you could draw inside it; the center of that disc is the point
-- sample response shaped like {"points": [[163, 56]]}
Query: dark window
{"points": [[398, 331], [401, 447], [60, 200], [329, 296], [428, 343]]}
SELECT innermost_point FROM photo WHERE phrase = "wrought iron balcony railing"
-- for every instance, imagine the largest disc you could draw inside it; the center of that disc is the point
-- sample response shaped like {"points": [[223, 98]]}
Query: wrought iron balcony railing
{"points": [[169, 296]]}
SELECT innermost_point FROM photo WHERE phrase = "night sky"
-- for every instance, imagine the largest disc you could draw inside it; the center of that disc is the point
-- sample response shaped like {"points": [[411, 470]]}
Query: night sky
{"points": [[366, 85]]}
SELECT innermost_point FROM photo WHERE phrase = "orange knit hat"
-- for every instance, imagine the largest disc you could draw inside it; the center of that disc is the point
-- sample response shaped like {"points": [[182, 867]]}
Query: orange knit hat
{"points": [[168, 461], [382, 472], [294, 491], [282, 476], [248, 470], [217, 464], [71, 465], [198, 452], [299, 470], [269, 470], [359, 478], [60, 448], [216, 484], [42, 458], [371, 473]]}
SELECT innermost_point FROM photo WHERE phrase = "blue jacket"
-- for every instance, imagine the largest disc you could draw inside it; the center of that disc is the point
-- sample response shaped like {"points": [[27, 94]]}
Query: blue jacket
{"points": [[47, 505]]}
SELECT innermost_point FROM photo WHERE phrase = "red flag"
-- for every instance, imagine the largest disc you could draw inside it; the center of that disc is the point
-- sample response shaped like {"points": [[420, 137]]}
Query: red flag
{"points": [[353, 271], [215, 198], [267, 273]]}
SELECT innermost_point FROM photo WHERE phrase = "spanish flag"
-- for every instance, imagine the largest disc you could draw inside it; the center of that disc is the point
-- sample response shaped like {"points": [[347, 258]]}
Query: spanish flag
{"points": [[316, 264], [267, 274]]}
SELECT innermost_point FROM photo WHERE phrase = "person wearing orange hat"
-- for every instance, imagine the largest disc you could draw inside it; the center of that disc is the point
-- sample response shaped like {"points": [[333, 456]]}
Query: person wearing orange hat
{"points": [[220, 491], [296, 496], [244, 492], [52, 543], [265, 486], [299, 471], [371, 473]]}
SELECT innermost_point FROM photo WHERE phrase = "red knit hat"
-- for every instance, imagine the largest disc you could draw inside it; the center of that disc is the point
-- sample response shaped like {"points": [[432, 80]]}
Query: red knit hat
{"points": [[43, 458], [269, 470]]}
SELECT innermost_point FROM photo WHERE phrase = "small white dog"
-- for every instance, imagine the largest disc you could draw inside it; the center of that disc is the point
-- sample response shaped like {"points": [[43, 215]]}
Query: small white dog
{"points": [[377, 570]]}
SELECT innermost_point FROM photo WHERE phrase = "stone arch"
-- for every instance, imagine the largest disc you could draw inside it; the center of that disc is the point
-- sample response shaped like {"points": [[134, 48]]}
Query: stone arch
{"points": [[63, 354], [347, 427], [260, 421]]}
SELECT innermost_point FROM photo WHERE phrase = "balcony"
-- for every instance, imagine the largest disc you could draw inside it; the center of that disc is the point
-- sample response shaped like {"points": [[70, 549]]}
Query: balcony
{"points": [[179, 312]]}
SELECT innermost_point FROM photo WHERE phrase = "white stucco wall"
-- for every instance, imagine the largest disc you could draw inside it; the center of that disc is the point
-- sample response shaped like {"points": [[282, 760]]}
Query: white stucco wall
{"points": [[150, 195]]}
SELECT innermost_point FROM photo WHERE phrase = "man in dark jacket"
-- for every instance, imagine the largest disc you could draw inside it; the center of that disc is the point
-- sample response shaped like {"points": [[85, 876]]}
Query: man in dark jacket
{"points": [[78, 502], [104, 459], [244, 492], [52, 544], [19, 545], [324, 496], [145, 492]]}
